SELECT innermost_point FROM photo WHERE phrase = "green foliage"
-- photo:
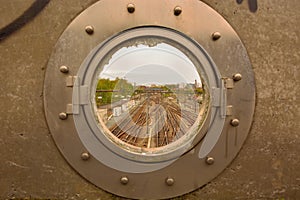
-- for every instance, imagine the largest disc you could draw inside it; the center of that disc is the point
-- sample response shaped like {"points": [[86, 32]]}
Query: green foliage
{"points": [[198, 91], [111, 91]]}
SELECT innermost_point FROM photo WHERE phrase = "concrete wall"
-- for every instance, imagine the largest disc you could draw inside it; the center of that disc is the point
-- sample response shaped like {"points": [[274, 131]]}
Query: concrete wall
{"points": [[268, 166]]}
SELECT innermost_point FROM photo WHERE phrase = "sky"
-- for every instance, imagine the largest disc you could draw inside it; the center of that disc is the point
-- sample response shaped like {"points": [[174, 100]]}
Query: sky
{"points": [[143, 65]]}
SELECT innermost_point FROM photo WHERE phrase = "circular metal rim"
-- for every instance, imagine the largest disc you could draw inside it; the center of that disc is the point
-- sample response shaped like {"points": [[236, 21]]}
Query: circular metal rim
{"points": [[230, 61], [88, 69]]}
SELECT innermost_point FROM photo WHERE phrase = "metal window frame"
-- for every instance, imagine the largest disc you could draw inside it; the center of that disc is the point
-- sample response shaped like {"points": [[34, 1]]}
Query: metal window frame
{"points": [[235, 94]]}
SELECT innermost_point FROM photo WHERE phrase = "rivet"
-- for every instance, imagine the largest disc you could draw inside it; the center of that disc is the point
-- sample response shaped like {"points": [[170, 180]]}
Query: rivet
{"points": [[63, 116], [85, 156], [89, 30], [170, 181], [235, 122], [216, 35], [237, 77], [130, 8], [177, 10], [64, 69], [124, 180], [210, 160]]}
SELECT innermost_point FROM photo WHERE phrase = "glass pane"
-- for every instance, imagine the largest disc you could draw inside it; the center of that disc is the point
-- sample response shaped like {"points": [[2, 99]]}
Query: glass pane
{"points": [[149, 96]]}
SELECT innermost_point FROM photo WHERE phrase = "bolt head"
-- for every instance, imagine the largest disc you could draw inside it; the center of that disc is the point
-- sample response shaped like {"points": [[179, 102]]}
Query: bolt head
{"points": [[85, 156], [235, 122], [177, 10], [64, 69], [237, 77], [170, 181], [130, 8], [63, 115], [216, 35], [89, 30], [210, 160], [124, 180]]}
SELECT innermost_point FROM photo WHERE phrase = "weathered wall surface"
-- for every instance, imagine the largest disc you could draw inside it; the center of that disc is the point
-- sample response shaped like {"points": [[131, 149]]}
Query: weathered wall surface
{"points": [[267, 166]]}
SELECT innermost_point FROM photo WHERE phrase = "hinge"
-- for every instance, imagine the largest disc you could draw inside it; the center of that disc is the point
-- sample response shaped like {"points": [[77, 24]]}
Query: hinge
{"points": [[69, 109], [70, 81], [80, 96], [219, 97], [228, 82], [229, 110]]}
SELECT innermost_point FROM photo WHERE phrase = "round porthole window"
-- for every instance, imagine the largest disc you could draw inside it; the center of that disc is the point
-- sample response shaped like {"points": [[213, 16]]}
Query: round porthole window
{"points": [[150, 95], [151, 108]]}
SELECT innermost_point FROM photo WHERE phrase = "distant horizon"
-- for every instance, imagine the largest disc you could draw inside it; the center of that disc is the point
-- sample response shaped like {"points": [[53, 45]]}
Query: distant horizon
{"points": [[162, 64], [156, 84]]}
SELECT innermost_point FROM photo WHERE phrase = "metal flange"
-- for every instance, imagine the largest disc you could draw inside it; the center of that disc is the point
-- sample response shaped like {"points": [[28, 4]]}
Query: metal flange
{"points": [[216, 43]]}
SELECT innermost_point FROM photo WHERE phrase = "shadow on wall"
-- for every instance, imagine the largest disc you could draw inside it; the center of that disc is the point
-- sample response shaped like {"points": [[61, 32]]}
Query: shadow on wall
{"points": [[22, 20], [39, 5], [251, 3]]}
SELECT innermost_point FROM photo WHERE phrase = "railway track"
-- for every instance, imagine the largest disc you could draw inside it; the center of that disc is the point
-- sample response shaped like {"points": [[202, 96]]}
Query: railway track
{"points": [[155, 122]]}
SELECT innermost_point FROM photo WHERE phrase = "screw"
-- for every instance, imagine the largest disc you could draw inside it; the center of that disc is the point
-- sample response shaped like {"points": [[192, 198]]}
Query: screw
{"points": [[124, 180], [130, 8], [89, 30], [210, 160], [64, 69], [63, 116], [170, 181], [177, 10], [235, 122], [85, 156], [216, 36], [237, 77]]}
